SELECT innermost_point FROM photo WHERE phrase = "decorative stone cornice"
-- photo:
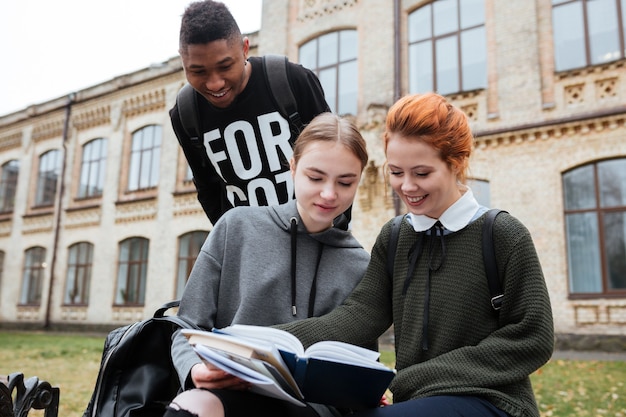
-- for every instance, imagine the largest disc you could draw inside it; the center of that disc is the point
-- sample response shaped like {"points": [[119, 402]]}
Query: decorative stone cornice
{"points": [[186, 205], [316, 9], [92, 117], [144, 103], [134, 211], [11, 141], [558, 130], [49, 129]]}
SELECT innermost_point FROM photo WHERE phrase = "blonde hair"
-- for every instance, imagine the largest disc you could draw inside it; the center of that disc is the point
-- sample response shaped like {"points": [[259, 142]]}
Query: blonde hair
{"points": [[328, 127]]}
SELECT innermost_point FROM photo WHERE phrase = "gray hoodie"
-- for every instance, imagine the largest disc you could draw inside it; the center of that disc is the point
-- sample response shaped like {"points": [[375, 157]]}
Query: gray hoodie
{"points": [[243, 274]]}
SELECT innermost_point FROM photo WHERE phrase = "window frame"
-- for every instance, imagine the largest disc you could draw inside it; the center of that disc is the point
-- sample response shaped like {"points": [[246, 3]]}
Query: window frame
{"points": [[132, 271], [586, 37], [49, 164], [8, 185], [144, 158], [332, 70], [597, 213], [94, 167], [78, 274], [433, 43], [185, 261], [33, 269]]}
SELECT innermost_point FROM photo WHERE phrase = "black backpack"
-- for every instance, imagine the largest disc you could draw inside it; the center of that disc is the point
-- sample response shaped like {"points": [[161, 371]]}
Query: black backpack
{"points": [[275, 70], [489, 255], [136, 376]]}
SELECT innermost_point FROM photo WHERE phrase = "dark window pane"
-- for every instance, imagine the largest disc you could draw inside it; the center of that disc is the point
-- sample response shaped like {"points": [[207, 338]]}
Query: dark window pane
{"points": [[579, 189], [583, 253], [612, 176], [8, 185], [615, 246]]}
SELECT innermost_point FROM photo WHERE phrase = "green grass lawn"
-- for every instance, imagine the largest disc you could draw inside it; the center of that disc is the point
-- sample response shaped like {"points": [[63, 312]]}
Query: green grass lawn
{"points": [[563, 388]]}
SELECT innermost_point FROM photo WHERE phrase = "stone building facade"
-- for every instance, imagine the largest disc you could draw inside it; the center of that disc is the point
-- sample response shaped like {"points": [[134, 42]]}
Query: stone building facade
{"points": [[543, 126]]}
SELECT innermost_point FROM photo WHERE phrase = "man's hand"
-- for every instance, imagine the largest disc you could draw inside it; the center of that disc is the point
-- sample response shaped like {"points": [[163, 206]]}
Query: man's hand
{"points": [[210, 377]]}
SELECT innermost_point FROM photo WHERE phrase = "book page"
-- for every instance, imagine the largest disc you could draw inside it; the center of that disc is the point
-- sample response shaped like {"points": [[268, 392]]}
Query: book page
{"points": [[254, 371], [344, 353], [281, 339], [245, 347]]}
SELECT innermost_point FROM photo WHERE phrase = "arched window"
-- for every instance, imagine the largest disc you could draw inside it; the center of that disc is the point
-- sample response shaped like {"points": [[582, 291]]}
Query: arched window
{"points": [[333, 58], [79, 261], [447, 47], [189, 246], [588, 32], [8, 185], [595, 220], [92, 168], [33, 276], [132, 271], [49, 172], [145, 155]]}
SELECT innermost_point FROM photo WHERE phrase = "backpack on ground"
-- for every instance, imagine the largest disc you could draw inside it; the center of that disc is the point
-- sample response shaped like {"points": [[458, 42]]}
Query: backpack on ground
{"points": [[275, 70], [136, 376], [489, 257]]}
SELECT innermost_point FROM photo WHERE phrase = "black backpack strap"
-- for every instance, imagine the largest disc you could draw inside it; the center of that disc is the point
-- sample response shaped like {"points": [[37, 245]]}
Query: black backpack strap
{"points": [[489, 258], [275, 68], [178, 320], [160, 312], [393, 243], [187, 104]]}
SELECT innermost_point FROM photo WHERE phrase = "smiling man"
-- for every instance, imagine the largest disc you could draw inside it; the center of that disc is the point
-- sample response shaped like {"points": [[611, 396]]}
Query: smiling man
{"points": [[241, 158]]}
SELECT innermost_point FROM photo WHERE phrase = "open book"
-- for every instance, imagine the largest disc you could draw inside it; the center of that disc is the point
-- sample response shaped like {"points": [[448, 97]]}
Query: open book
{"points": [[275, 362]]}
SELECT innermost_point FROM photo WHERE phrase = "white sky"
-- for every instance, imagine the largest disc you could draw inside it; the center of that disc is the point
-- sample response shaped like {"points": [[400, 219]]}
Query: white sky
{"points": [[50, 48]]}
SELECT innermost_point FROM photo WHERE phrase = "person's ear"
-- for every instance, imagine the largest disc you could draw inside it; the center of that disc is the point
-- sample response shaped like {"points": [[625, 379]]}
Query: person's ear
{"points": [[246, 47], [292, 167]]}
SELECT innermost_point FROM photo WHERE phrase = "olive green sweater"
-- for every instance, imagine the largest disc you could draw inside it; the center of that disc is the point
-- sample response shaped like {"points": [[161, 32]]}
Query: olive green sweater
{"points": [[471, 350]]}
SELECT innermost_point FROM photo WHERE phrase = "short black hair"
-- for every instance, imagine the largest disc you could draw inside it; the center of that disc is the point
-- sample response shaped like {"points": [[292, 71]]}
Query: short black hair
{"points": [[207, 21]]}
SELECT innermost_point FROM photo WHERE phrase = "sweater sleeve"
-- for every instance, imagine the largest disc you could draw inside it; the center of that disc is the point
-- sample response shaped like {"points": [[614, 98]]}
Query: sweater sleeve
{"points": [[522, 342], [365, 314]]}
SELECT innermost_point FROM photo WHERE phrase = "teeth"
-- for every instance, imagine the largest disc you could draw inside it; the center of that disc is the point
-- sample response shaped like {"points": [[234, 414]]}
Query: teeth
{"points": [[219, 95], [414, 199]]}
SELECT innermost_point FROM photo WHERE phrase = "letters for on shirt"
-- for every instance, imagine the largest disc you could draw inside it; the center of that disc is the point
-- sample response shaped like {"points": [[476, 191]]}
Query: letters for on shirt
{"points": [[260, 168]]}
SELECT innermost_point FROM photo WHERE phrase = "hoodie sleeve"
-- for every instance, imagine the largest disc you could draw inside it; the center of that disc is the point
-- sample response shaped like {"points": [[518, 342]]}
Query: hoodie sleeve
{"points": [[199, 301]]}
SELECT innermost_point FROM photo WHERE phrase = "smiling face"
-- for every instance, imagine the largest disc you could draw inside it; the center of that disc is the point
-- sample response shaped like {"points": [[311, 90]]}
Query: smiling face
{"points": [[424, 182], [326, 178], [217, 69]]}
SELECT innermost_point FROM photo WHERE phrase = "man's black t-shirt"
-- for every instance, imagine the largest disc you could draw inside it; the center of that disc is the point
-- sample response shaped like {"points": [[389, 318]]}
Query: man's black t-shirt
{"points": [[248, 145]]}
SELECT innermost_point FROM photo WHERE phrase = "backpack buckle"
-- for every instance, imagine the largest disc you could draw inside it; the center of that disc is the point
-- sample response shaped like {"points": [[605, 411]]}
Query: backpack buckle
{"points": [[496, 302]]}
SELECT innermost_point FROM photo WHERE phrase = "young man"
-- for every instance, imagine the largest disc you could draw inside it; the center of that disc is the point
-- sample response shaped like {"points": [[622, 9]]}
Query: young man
{"points": [[241, 158]]}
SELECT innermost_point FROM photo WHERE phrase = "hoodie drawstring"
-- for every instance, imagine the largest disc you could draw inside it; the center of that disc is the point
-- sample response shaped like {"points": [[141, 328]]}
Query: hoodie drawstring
{"points": [[313, 291], [294, 235]]}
